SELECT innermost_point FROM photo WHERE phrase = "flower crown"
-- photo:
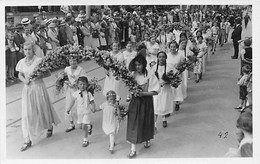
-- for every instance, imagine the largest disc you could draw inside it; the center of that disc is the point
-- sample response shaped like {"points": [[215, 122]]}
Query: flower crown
{"points": [[110, 93]]}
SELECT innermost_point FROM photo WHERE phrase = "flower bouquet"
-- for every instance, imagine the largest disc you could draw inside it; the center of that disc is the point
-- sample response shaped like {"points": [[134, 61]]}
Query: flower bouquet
{"points": [[173, 78], [121, 112], [59, 84], [93, 86]]}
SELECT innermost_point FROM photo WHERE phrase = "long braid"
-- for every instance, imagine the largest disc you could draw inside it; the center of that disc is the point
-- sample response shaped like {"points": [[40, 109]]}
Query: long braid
{"points": [[156, 72]]}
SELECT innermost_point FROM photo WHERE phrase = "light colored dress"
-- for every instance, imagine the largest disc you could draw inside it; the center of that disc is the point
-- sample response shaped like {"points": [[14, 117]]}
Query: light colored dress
{"points": [[38, 113], [73, 77], [110, 122], [128, 57], [87, 36], [203, 46], [111, 83], [163, 103], [179, 93]]}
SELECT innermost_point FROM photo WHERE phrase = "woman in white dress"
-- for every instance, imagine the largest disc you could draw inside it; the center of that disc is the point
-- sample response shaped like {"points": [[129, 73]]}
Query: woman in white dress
{"points": [[173, 59], [201, 56], [163, 103], [37, 111], [86, 30], [111, 83]]}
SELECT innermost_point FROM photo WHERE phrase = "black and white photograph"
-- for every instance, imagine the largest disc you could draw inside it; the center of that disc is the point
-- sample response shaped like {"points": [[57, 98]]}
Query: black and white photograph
{"points": [[129, 81]]}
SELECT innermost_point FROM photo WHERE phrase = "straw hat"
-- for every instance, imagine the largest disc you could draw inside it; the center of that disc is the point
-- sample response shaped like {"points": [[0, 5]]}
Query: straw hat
{"points": [[25, 21]]}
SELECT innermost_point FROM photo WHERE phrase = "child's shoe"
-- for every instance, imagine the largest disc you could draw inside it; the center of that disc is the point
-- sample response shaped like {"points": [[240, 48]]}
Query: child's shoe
{"points": [[238, 107], [85, 143]]}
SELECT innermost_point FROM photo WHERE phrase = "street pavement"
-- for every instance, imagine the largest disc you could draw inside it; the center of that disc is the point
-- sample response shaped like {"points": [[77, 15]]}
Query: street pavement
{"points": [[192, 132]]}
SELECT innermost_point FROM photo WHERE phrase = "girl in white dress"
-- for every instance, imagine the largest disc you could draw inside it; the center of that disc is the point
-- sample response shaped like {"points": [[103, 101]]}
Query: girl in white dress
{"points": [[202, 52], [163, 103], [110, 121], [111, 83], [74, 72], [173, 59], [37, 111]]}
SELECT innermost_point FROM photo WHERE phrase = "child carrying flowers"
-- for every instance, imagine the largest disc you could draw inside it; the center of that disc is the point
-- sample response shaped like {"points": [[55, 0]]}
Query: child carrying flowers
{"points": [[110, 122], [73, 72], [85, 104]]}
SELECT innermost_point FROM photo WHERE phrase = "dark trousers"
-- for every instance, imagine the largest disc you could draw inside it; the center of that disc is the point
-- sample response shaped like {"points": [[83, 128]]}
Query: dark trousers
{"points": [[236, 48]]}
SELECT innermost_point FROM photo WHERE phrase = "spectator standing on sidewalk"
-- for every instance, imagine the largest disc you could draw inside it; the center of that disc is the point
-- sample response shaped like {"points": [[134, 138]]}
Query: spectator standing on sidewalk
{"points": [[236, 36]]}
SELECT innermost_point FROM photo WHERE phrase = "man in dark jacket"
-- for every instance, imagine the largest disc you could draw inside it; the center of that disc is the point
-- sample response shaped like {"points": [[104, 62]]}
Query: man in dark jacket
{"points": [[19, 41], [236, 36]]}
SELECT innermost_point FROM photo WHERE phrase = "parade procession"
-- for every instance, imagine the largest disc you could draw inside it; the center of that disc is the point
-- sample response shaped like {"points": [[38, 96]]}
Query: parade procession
{"points": [[128, 81]]}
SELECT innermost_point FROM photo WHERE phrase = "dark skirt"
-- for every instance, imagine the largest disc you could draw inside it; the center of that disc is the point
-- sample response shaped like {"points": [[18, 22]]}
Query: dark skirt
{"points": [[140, 123], [242, 92], [11, 59]]}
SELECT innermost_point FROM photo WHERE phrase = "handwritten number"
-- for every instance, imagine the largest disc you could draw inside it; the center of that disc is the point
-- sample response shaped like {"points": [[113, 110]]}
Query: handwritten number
{"points": [[226, 134], [220, 134]]}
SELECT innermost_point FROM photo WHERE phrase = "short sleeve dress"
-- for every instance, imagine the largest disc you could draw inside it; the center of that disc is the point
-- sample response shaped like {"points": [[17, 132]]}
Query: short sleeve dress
{"points": [[163, 103], [179, 93], [140, 123], [73, 77], [109, 123], [111, 83], [37, 110]]}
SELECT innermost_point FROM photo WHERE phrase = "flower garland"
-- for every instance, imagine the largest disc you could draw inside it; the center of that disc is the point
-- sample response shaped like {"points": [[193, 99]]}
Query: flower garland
{"points": [[62, 78], [58, 58]]}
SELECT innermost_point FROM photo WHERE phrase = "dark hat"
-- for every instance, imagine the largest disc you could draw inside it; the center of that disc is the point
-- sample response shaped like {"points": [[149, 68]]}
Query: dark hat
{"points": [[140, 54]]}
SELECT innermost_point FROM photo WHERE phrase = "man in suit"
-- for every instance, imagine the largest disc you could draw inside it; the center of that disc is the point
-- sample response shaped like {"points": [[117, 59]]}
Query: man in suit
{"points": [[19, 41], [236, 36]]}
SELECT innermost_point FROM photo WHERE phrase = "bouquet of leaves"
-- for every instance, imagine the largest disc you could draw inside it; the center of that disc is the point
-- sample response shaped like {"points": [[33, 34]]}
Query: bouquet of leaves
{"points": [[93, 86], [173, 78], [121, 112], [60, 81]]}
